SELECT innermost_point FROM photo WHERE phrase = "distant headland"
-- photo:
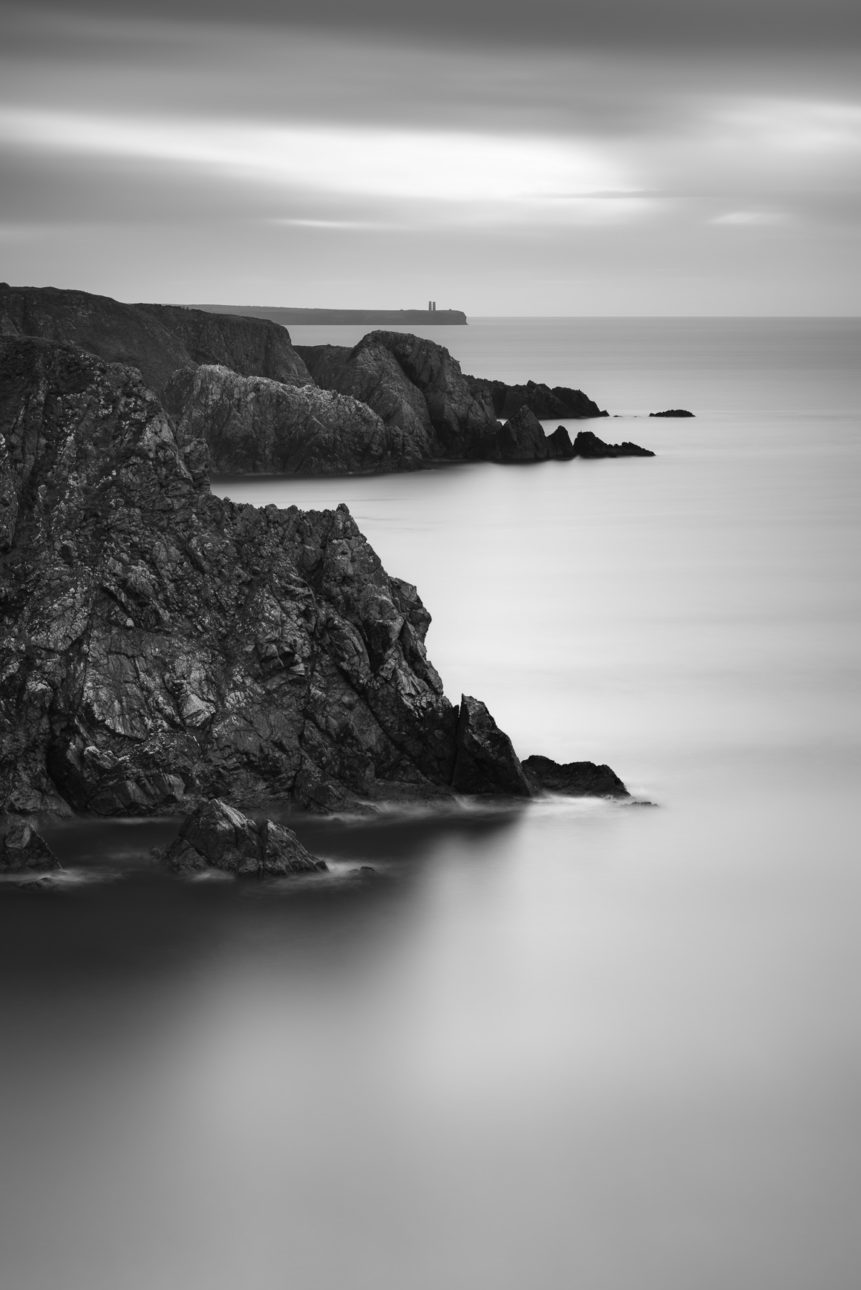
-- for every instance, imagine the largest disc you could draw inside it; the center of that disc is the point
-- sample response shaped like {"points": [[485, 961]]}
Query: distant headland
{"points": [[288, 316]]}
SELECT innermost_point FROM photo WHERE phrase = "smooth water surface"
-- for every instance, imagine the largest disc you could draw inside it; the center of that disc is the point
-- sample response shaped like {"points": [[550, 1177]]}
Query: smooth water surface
{"points": [[584, 1044]]}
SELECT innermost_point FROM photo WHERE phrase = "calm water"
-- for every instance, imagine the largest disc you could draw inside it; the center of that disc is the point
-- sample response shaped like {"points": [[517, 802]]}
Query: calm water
{"points": [[585, 1045]]}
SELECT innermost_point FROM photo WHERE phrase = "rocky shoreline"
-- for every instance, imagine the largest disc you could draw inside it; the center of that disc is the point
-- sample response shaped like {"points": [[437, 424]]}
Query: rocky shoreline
{"points": [[161, 647]]}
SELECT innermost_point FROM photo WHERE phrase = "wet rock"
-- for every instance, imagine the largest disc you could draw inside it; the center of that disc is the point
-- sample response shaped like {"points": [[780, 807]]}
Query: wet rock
{"points": [[217, 836], [672, 412], [485, 761], [587, 444], [572, 779], [24, 850]]}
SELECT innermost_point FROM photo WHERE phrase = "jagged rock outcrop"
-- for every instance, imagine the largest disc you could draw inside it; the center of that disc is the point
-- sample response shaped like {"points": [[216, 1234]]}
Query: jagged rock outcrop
{"points": [[587, 444], [485, 762], [672, 412], [253, 425], [156, 339], [217, 836], [546, 403], [572, 779], [414, 384], [522, 438], [24, 850], [160, 645], [559, 445]]}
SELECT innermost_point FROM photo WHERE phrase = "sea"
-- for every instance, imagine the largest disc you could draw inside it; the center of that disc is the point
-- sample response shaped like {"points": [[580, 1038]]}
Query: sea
{"points": [[582, 1044]]}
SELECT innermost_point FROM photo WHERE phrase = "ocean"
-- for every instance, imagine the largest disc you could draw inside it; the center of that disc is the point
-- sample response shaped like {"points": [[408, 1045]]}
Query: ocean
{"points": [[584, 1044]]}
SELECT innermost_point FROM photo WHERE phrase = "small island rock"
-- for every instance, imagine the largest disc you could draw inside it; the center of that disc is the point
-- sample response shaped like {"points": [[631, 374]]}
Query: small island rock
{"points": [[217, 836], [588, 445], [672, 412], [573, 778], [23, 850]]}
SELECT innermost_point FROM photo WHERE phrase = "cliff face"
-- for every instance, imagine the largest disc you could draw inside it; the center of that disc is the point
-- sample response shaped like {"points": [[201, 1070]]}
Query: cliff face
{"points": [[414, 384], [252, 425], [156, 339], [158, 644]]}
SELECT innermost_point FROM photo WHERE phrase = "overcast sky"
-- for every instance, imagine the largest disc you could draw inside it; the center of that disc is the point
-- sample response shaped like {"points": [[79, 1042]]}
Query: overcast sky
{"points": [[544, 158]]}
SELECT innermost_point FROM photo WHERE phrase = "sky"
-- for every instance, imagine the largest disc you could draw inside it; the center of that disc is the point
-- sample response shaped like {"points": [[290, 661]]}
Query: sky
{"points": [[629, 158]]}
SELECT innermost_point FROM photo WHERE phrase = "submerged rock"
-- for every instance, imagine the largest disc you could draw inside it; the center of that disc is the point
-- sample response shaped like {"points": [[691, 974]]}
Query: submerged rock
{"points": [[573, 778], [587, 444], [485, 761], [24, 850], [672, 412], [217, 836]]}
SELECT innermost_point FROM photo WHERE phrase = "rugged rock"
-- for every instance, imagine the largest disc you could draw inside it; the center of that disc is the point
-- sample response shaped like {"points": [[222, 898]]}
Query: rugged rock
{"points": [[559, 445], [159, 645], [251, 424], [572, 779], [587, 444], [156, 339], [522, 438], [217, 836], [672, 412], [413, 384], [544, 402], [24, 850], [485, 761]]}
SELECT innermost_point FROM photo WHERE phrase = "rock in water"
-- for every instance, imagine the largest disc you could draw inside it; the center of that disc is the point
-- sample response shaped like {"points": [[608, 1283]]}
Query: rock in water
{"points": [[485, 762], [587, 444], [672, 412], [159, 644], [573, 778], [521, 439], [559, 445], [23, 850], [544, 402], [217, 836]]}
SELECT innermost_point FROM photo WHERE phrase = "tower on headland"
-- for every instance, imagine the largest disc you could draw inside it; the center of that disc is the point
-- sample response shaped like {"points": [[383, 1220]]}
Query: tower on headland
{"points": [[431, 306]]}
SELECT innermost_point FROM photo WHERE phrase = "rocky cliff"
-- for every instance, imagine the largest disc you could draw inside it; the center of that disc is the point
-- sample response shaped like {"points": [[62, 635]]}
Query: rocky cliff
{"points": [[156, 339], [542, 401], [415, 385], [253, 425], [160, 646]]}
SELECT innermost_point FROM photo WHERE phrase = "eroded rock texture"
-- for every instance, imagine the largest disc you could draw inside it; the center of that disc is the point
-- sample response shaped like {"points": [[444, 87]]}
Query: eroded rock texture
{"points": [[573, 778], [253, 425], [217, 836], [540, 399], [159, 644]]}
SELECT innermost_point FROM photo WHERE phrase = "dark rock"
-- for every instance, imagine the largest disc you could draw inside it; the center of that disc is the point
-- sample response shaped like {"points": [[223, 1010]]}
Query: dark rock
{"points": [[672, 412], [485, 762], [544, 402], [559, 445], [217, 836], [589, 445], [415, 385], [24, 850], [521, 439], [572, 779], [251, 424], [160, 645], [156, 339]]}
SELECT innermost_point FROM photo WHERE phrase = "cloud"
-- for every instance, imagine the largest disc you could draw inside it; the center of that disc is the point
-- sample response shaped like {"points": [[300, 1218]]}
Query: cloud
{"points": [[752, 219]]}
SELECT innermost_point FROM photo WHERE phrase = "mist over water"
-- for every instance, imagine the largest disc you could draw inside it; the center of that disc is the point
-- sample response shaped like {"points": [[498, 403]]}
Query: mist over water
{"points": [[580, 1044]]}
